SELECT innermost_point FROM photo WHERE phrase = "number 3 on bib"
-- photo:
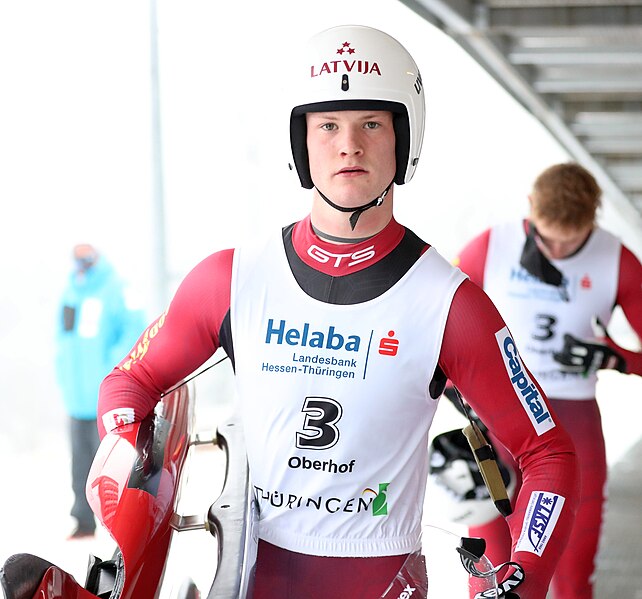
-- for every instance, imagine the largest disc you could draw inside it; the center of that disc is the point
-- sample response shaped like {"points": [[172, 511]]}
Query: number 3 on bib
{"points": [[319, 430]]}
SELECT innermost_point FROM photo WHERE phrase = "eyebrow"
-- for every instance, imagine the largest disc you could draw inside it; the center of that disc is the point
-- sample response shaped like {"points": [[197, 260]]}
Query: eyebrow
{"points": [[332, 117]]}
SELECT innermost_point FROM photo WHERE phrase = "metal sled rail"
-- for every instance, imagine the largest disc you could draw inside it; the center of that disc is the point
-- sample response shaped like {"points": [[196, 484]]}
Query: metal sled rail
{"points": [[230, 518]]}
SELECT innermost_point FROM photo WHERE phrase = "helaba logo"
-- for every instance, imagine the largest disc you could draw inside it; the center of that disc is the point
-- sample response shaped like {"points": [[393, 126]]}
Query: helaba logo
{"points": [[524, 387], [542, 513], [380, 502], [523, 276], [345, 64], [329, 339]]}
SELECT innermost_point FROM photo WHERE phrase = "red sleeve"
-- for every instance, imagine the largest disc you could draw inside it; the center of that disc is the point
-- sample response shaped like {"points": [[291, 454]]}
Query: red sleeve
{"points": [[472, 359], [629, 298], [172, 347], [472, 258]]}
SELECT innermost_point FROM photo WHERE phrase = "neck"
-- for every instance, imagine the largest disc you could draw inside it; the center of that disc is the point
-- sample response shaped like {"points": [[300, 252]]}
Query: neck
{"points": [[334, 239], [319, 254], [334, 226]]}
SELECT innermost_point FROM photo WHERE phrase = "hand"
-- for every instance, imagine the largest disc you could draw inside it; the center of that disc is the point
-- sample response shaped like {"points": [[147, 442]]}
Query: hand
{"points": [[582, 357], [493, 593], [506, 589]]}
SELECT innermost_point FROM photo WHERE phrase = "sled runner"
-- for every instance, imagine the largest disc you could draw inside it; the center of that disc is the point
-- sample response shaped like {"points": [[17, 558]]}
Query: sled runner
{"points": [[134, 488]]}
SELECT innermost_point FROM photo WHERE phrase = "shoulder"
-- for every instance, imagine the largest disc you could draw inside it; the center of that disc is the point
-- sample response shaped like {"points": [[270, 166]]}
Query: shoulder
{"points": [[479, 241], [213, 271], [628, 256], [606, 239], [472, 257], [216, 263], [205, 290], [630, 266], [506, 232], [411, 238], [604, 243]]}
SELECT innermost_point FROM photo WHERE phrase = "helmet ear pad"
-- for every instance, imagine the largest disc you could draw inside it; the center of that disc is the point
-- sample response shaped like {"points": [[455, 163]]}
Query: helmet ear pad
{"points": [[299, 131]]}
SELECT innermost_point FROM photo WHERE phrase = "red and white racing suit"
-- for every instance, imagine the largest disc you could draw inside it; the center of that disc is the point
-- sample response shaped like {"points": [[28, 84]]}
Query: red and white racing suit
{"points": [[367, 333], [601, 274]]}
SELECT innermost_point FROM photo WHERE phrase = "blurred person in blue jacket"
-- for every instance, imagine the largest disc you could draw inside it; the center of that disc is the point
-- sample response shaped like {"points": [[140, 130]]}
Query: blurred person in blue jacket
{"points": [[96, 329]]}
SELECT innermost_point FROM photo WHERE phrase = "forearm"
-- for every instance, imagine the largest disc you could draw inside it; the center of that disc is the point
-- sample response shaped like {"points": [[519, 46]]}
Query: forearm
{"points": [[544, 513], [122, 400]]}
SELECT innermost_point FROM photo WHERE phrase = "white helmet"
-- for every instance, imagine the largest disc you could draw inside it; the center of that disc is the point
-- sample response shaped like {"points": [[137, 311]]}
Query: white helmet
{"points": [[456, 487], [352, 67]]}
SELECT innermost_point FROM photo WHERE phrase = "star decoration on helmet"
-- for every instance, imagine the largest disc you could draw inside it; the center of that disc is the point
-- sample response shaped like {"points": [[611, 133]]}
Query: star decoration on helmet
{"points": [[346, 48]]}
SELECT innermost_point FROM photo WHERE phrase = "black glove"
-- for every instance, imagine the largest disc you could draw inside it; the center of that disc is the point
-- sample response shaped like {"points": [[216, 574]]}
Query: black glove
{"points": [[502, 594], [582, 357], [506, 589]]}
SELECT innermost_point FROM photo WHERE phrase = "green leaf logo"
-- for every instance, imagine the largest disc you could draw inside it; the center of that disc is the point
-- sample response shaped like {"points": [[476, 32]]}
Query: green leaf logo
{"points": [[380, 503]]}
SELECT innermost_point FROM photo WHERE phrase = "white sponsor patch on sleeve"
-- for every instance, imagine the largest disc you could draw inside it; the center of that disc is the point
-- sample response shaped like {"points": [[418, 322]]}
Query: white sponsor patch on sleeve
{"points": [[118, 417], [542, 513], [525, 389]]}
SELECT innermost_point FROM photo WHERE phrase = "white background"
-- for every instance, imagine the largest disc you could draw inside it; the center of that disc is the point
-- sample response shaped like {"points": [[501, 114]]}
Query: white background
{"points": [[75, 166]]}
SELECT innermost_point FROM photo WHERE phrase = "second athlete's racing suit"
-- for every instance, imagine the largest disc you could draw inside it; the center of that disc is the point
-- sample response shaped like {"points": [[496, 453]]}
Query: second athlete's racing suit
{"points": [[340, 352], [598, 276]]}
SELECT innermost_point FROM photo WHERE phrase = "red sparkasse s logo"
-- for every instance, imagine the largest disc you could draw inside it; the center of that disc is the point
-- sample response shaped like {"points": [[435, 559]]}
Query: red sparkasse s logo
{"points": [[388, 346], [346, 64]]}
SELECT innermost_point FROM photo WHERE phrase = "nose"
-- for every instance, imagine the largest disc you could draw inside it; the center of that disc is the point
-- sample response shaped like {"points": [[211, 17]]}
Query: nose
{"points": [[350, 142]]}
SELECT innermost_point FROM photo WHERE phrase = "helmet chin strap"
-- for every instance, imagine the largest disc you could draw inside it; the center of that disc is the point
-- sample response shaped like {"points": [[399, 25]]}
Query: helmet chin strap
{"points": [[356, 212]]}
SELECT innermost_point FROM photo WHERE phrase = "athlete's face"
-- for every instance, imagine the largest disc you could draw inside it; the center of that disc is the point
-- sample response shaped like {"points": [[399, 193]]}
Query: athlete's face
{"points": [[558, 242], [352, 154]]}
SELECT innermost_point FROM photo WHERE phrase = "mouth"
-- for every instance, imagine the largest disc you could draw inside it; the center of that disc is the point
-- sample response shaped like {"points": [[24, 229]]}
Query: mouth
{"points": [[352, 170]]}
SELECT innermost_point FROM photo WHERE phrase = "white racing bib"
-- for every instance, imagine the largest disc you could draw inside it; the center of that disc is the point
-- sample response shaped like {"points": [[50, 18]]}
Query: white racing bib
{"points": [[535, 312], [335, 403]]}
